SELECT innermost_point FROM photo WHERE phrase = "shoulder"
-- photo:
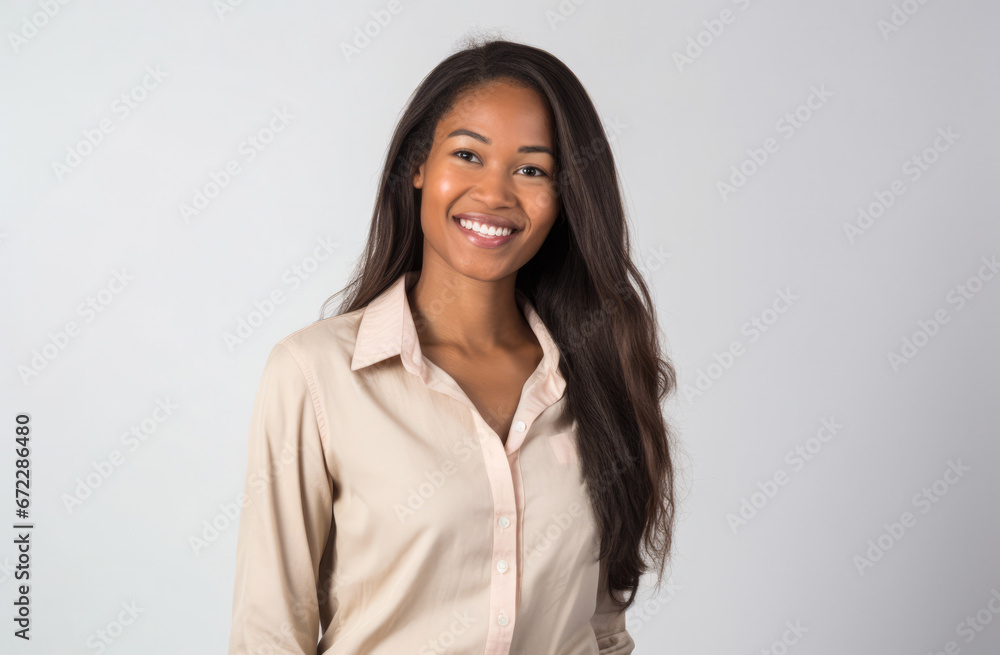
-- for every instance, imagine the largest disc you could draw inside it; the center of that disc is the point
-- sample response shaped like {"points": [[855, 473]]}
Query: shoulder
{"points": [[323, 344]]}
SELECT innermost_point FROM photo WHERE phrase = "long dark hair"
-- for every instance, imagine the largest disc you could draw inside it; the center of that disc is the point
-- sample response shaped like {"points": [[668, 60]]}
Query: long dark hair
{"points": [[583, 284]]}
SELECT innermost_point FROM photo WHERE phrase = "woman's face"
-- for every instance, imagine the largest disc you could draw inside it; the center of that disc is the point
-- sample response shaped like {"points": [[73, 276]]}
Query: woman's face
{"points": [[490, 163]]}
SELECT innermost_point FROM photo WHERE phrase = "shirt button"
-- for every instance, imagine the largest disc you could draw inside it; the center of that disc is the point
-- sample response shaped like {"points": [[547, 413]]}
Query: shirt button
{"points": [[504, 522], [502, 620], [502, 566], [519, 426]]}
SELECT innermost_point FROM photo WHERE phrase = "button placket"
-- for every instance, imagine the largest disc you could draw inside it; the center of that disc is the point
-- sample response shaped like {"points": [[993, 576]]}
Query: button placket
{"points": [[503, 582]]}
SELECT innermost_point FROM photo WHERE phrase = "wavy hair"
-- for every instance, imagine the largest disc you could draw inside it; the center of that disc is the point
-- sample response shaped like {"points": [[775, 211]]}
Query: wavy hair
{"points": [[583, 284]]}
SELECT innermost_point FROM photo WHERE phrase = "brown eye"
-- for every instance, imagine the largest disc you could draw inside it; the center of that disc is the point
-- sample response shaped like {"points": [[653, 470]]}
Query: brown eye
{"points": [[540, 172]]}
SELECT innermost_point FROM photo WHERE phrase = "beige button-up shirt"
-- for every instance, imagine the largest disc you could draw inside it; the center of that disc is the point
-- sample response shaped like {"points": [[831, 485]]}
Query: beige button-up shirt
{"points": [[382, 515]]}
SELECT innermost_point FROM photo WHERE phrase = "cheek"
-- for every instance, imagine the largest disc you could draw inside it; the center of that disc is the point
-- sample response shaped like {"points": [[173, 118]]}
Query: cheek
{"points": [[443, 185], [543, 205]]}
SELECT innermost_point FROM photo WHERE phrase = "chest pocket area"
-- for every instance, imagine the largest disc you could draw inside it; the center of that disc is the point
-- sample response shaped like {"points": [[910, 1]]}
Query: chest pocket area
{"points": [[563, 445]]}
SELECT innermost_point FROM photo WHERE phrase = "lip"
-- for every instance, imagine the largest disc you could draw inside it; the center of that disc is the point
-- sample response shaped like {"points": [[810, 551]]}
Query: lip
{"points": [[481, 240]]}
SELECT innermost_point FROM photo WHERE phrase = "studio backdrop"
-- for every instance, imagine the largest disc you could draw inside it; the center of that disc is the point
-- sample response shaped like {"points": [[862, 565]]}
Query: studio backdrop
{"points": [[811, 189]]}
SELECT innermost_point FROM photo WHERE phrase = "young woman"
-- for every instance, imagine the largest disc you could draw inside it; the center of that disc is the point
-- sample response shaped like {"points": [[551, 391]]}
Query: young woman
{"points": [[471, 457]]}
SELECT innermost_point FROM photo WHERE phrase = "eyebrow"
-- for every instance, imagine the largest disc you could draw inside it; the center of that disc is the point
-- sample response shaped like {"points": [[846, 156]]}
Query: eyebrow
{"points": [[480, 137]]}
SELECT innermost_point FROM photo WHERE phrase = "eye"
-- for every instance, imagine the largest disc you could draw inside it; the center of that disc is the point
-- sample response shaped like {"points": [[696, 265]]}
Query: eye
{"points": [[539, 172], [459, 153]]}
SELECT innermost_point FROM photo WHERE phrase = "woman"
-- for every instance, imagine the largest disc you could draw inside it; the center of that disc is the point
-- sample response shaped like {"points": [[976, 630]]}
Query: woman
{"points": [[472, 455]]}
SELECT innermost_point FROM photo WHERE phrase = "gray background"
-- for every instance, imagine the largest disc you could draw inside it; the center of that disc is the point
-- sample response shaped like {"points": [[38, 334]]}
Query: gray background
{"points": [[716, 261]]}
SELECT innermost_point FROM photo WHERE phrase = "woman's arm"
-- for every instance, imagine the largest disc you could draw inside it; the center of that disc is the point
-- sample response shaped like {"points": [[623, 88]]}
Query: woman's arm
{"points": [[609, 623], [286, 517]]}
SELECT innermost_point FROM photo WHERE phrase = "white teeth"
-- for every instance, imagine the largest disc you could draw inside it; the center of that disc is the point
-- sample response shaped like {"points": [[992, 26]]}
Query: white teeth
{"points": [[483, 228]]}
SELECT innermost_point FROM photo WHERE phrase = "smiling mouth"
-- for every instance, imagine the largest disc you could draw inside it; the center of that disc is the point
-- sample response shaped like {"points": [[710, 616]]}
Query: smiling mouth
{"points": [[484, 229]]}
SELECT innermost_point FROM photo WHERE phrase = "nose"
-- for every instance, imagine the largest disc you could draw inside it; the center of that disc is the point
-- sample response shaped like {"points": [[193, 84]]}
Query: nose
{"points": [[494, 189]]}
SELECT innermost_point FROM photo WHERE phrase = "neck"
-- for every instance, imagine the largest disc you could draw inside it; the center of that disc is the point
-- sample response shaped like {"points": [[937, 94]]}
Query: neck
{"points": [[474, 316]]}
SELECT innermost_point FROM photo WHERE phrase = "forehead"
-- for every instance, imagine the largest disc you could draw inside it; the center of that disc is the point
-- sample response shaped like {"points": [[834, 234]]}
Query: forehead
{"points": [[501, 112]]}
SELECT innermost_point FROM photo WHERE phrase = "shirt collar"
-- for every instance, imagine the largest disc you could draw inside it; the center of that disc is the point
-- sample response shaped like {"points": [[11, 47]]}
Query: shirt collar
{"points": [[387, 329]]}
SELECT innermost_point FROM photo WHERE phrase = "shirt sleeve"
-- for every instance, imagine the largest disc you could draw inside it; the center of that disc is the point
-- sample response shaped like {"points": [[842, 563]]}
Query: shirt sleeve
{"points": [[609, 623], [286, 518]]}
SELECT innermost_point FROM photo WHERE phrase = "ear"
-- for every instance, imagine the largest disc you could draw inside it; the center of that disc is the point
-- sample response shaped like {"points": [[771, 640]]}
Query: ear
{"points": [[418, 177]]}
